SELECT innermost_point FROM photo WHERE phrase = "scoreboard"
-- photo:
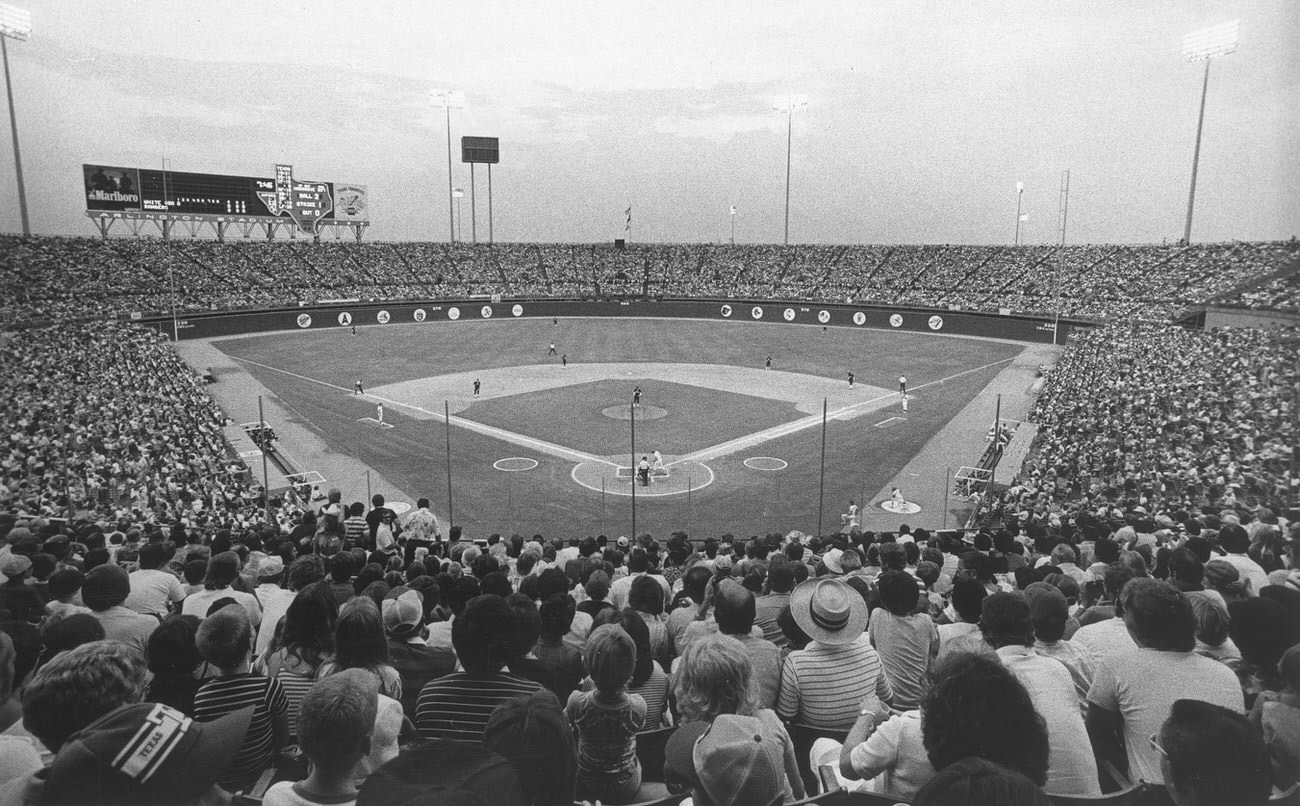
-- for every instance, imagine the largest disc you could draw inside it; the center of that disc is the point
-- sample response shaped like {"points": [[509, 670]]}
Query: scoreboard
{"points": [[221, 196]]}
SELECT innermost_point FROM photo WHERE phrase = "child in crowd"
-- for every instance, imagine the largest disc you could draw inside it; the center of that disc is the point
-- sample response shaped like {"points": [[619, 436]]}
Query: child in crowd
{"points": [[906, 640], [334, 731], [607, 719], [225, 640]]}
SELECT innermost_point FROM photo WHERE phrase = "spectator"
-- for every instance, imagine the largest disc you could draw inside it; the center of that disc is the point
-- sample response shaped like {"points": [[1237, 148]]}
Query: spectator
{"points": [[360, 643], [906, 640], [223, 570], [714, 684], [823, 685], [415, 661], [1262, 631], [335, 724], [606, 720], [1276, 714], [1211, 755], [1235, 540], [648, 680], [458, 705], [734, 610], [646, 597], [80, 686], [562, 661], [273, 599], [1049, 612], [966, 601], [304, 643], [1007, 626], [533, 733], [174, 658], [444, 771], [1133, 691], [976, 707], [153, 591], [106, 588], [67, 633], [767, 608], [1107, 637], [974, 781], [225, 640]]}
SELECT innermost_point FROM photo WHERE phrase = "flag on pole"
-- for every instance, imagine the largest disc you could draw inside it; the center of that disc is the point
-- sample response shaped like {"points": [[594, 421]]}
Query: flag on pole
{"points": [[628, 226]]}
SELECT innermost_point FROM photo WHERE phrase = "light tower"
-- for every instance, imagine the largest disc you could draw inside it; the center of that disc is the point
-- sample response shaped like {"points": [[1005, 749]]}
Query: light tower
{"points": [[1020, 191], [16, 24], [449, 100], [787, 105], [1205, 45]]}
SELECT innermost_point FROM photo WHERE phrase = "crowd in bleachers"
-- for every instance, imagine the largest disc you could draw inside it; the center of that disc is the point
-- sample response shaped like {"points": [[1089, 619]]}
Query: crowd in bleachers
{"points": [[1280, 293], [67, 278], [360, 657], [1165, 418]]}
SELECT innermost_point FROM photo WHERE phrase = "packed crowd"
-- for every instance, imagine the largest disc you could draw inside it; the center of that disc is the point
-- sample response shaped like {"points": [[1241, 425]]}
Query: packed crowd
{"points": [[373, 659], [70, 278], [1166, 419], [1280, 293], [105, 420]]}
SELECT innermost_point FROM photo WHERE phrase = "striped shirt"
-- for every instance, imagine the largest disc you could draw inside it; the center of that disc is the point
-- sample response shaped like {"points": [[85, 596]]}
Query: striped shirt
{"points": [[355, 531], [223, 695], [823, 685], [655, 693], [458, 705]]}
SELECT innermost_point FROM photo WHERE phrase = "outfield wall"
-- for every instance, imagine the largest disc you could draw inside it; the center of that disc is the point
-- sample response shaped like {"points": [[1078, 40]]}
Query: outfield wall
{"points": [[371, 314]]}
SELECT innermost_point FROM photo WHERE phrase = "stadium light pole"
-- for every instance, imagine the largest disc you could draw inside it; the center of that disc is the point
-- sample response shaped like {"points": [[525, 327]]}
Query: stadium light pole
{"points": [[449, 100], [1205, 45], [1020, 191], [458, 194], [787, 106], [16, 24]]}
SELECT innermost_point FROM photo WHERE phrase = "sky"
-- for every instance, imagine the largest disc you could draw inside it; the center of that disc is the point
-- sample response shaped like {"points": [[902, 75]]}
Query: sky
{"points": [[921, 117]]}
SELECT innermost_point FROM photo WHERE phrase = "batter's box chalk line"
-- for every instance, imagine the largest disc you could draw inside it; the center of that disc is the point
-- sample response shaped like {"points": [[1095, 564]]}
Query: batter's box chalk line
{"points": [[374, 422], [624, 472]]}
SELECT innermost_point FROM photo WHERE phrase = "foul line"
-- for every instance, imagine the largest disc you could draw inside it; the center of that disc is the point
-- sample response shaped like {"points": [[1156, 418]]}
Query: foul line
{"points": [[795, 426], [470, 425]]}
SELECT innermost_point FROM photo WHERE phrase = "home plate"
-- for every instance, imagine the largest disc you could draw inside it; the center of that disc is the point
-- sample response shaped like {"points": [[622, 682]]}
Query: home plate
{"points": [[373, 421], [889, 422]]}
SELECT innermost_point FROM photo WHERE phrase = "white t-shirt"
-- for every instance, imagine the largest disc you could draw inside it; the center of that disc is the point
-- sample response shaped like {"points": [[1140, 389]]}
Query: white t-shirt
{"points": [[152, 590], [1142, 685], [197, 604], [1071, 768]]}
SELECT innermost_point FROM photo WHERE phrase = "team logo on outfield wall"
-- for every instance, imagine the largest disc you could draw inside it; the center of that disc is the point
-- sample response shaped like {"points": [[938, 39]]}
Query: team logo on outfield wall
{"points": [[304, 320], [419, 314], [345, 319], [757, 313], [383, 317], [486, 312], [453, 313], [788, 314], [859, 318], [896, 320], [726, 310], [936, 322], [518, 310], [823, 316]]}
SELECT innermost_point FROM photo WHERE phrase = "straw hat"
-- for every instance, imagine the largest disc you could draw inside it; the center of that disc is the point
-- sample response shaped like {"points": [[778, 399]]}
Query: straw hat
{"points": [[829, 610]]}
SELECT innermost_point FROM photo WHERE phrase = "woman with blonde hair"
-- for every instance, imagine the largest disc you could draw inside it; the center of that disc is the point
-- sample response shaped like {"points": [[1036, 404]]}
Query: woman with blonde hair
{"points": [[715, 678]]}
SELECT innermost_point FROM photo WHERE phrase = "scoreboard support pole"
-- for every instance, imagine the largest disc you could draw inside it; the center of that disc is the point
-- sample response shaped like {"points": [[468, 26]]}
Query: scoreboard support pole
{"points": [[473, 218], [489, 165]]}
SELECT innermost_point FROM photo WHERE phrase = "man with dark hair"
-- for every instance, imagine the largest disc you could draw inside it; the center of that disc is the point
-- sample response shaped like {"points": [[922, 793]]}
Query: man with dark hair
{"points": [[1049, 611], [638, 565], [1134, 689], [153, 591], [342, 566], [376, 515], [1235, 540], [767, 608], [553, 581], [694, 584], [733, 608], [105, 589], [1007, 626], [967, 600], [1210, 755], [457, 706], [420, 529]]}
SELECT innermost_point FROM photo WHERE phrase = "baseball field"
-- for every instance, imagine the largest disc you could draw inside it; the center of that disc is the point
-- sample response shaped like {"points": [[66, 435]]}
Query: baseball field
{"points": [[547, 448]]}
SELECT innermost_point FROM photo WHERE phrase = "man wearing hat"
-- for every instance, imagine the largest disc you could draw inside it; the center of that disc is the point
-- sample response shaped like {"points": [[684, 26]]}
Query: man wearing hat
{"points": [[274, 600], [823, 685], [732, 761], [17, 595], [415, 661], [140, 753]]}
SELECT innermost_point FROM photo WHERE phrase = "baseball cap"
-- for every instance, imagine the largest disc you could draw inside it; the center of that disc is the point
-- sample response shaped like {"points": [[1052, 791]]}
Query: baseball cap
{"points": [[1046, 601], [441, 772], [11, 565], [403, 614], [145, 753], [731, 760]]}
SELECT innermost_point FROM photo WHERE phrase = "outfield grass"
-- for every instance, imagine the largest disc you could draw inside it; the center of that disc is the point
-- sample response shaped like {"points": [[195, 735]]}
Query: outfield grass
{"points": [[860, 458]]}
